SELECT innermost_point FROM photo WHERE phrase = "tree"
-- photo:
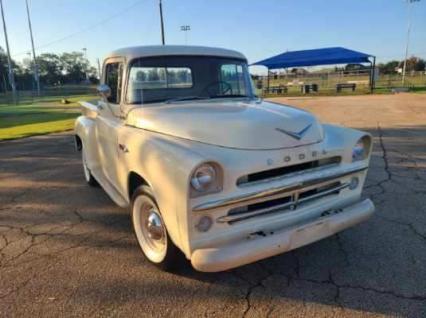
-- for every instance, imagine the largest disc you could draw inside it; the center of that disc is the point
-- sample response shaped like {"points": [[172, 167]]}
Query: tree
{"points": [[4, 70], [75, 67], [420, 65], [414, 63], [50, 68], [389, 67]]}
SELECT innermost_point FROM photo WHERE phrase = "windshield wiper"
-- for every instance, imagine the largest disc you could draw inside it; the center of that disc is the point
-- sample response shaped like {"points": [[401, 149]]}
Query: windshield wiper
{"points": [[179, 99]]}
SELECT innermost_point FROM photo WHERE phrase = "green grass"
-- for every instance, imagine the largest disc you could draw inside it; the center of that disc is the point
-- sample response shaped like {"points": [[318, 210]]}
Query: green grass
{"points": [[39, 116], [419, 90]]}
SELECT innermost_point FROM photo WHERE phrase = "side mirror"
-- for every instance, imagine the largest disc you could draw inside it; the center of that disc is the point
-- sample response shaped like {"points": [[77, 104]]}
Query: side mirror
{"points": [[104, 91]]}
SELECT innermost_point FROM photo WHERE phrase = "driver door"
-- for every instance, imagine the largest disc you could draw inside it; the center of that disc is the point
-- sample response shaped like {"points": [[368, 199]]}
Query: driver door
{"points": [[108, 121]]}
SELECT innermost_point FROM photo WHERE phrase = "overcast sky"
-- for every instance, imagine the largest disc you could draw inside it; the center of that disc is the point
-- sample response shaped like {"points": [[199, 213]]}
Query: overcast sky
{"points": [[257, 28]]}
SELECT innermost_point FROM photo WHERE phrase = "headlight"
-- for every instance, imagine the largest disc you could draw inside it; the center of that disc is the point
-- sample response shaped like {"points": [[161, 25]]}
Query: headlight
{"points": [[206, 179], [361, 149]]}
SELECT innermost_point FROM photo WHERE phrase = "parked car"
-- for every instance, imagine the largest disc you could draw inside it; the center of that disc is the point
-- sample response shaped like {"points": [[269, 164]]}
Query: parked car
{"points": [[208, 169]]}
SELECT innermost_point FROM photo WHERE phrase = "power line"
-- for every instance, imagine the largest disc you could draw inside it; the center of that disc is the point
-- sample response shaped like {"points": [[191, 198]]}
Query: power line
{"points": [[88, 28]]}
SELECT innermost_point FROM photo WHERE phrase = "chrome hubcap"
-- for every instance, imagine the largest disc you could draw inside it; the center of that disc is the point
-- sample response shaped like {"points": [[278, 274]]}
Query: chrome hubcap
{"points": [[154, 226], [150, 229]]}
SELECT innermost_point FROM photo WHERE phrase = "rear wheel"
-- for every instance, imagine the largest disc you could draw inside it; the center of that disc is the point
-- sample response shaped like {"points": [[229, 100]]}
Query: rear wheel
{"points": [[151, 232], [87, 174]]}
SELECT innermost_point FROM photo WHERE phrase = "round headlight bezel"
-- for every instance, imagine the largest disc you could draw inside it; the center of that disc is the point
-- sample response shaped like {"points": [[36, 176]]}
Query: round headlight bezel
{"points": [[203, 177], [361, 149], [206, 178]]}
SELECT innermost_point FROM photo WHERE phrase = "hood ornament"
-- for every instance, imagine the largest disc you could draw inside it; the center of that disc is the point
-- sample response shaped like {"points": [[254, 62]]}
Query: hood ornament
{"points": [[296, 135]]}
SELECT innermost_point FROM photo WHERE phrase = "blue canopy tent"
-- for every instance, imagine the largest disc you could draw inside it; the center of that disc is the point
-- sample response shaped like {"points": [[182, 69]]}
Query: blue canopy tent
{"points": [[325, 56]]}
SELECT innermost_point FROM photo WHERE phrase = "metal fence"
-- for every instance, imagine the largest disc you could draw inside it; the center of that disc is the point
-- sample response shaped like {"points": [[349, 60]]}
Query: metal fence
{"points": [[338, 82], [59, 92]]}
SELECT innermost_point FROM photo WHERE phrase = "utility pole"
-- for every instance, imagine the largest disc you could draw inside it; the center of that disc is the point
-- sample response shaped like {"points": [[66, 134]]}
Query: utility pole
{"points": [[99, 69], [409, 2], [9, 60], [36, 76], [163, 41], [185, 28], [85, 57]]}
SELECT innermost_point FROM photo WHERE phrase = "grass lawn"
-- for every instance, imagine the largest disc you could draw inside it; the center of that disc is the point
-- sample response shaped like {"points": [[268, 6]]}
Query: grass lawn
{"points": [[41, 116]]}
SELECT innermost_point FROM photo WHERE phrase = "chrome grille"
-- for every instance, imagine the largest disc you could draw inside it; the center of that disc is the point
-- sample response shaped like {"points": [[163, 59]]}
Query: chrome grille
{"points": [[276, 173], [286, 203]]}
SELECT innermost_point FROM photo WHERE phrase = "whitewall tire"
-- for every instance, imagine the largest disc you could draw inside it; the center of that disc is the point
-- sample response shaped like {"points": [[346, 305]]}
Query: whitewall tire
{"points": [[151, 232]]}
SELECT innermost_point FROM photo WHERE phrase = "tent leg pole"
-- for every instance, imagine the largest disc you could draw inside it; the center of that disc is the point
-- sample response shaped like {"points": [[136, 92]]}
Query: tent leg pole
{"points": [[373, 75], [268, 82]]}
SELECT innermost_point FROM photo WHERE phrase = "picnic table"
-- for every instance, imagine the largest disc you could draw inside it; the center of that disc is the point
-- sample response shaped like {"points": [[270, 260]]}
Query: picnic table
{"points": [[341, 86], [276, 89], [307, 88]]}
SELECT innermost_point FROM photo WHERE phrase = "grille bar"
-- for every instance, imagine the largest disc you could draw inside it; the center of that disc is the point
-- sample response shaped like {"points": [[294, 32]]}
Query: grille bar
{"points": [[287, 171], [292, 205]]}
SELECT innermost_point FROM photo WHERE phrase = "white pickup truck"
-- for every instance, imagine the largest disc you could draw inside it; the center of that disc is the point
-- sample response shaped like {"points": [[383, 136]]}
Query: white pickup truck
{"points": [[211, 171]]}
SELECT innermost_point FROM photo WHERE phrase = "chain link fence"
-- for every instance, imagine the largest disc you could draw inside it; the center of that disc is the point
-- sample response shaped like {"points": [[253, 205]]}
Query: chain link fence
{"points": [[27, 95], [338, 82]]}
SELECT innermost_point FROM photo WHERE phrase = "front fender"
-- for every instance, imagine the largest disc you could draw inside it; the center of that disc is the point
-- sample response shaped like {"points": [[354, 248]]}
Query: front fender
{"points": [[344, 138], [85, 129], [165, 163]]}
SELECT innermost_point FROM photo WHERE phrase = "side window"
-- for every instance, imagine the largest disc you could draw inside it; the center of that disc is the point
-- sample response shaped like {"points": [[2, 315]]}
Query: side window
{"points": [[113, 77], [233, 75]]}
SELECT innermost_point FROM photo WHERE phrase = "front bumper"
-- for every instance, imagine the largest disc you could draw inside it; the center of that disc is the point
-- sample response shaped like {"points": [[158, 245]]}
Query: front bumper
{"points": [[259, 247]]}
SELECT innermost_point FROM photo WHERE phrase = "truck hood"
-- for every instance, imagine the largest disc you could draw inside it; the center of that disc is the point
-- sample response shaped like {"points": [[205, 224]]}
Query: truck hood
{"points": [[231, 123]]}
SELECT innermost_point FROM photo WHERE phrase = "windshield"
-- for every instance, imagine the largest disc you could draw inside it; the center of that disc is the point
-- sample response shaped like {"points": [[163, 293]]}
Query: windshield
{"points": [[174, 78]]}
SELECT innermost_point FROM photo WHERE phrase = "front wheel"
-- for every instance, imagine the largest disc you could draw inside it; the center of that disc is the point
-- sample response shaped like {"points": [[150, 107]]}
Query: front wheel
{"points": [[151, 232]]}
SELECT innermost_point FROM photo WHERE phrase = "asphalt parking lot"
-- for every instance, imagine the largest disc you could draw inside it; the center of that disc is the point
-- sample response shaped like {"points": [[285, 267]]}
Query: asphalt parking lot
{"points": [[67, 250]]}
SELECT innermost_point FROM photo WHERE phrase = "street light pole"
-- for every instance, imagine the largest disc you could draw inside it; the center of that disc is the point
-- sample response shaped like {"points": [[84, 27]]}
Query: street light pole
{"points": [[36, 75], [9, 60], [99, 69], [163, 41], [85, 57], [185, 28], [409, 2]]}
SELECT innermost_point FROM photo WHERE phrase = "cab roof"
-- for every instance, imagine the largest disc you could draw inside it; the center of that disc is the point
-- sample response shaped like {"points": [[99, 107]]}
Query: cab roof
{"points": [[161, 50]]}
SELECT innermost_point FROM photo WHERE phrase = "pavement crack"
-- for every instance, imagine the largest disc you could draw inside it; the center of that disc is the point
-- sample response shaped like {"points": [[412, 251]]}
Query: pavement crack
{"points": [[409, 225], [247, 297], [337, 295], [385, 154], [387, 169], [296, 259], [331, 281], [341, 248], [33, 236], [15, 290], [84, 238], [252, 286], [79, 216]]}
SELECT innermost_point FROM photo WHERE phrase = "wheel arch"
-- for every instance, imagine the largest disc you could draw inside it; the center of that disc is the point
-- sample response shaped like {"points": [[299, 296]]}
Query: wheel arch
{"points": [[78, 143], [134, 181]]}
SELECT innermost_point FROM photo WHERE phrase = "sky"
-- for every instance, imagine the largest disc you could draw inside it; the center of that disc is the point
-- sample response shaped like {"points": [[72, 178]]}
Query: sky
{"points": [[258, 28]]}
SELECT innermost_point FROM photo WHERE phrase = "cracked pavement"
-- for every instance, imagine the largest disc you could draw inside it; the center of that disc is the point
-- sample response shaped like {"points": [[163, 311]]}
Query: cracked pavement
{"points": [[67, 250]]}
